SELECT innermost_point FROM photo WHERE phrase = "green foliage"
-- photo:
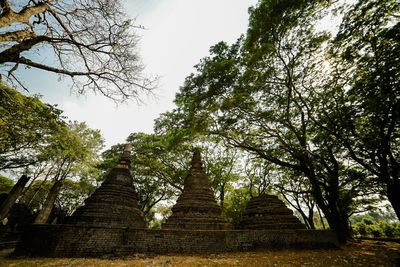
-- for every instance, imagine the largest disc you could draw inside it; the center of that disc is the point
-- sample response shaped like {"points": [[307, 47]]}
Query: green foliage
{"points": [[6, 184], [365, 53], [235, 205], [70, 197], [377, 223], [73, 153], [367, 228], [26, 124]]}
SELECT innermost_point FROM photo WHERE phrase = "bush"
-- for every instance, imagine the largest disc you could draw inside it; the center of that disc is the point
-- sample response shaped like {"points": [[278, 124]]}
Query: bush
{"points": [[390, 229], [375, 230], [367, 221], [366, 228], [360, 229]]}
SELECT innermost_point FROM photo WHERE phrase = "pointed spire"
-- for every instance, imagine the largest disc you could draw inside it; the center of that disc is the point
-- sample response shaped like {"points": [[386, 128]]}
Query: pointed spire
{"points": [[196, 160], [196, 207], [115, 203], [125, 158], [197, 177]]}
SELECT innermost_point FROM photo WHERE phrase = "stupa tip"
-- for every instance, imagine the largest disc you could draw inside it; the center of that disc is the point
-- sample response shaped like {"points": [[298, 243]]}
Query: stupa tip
{"points": [[196, 159], [125, 159]]}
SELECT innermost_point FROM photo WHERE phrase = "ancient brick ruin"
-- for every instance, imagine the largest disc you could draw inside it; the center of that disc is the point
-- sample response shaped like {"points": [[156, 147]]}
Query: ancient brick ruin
{"points": [[268, 212], [115, 202], [196, 207], [111, 224]]}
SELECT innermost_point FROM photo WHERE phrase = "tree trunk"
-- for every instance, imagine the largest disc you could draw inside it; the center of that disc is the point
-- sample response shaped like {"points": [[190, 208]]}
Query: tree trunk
{"points": [[393, 194], [321, 218], [310, 219], [329, 207], [338, 224], [48, 205], [28, 202], [26, 189], [12, 196]]}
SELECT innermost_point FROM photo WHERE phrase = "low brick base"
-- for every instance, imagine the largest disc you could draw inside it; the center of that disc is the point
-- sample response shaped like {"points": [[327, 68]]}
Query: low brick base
{"points": [[80, 241]]}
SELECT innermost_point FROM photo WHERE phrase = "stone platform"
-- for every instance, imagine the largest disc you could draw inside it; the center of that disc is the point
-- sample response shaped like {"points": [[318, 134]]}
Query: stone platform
{"points": [[81, 241]]}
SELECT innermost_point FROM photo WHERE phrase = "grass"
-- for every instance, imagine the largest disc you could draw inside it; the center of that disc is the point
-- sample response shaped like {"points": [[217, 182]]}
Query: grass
{"points": [[361, 253]]}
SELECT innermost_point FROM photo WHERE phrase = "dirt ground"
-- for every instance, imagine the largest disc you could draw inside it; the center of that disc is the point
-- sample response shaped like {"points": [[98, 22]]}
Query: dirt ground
{"points": [[360, 253]]}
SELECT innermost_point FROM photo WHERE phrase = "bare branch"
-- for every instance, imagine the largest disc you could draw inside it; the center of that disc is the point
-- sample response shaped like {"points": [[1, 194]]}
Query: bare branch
{"points": [[93, 43]]}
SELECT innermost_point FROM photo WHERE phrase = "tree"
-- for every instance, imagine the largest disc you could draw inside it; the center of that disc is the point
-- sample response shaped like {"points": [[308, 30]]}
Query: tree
{"points": [[258, 175], [366, 77], [26, 124], [92, 42], [12, 196], [235, 205], [220, 165], [263, 94], [35, 194], [71, 153]]}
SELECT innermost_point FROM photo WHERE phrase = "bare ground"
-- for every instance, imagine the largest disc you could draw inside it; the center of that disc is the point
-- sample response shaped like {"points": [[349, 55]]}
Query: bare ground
{"points": [[361, 253]]}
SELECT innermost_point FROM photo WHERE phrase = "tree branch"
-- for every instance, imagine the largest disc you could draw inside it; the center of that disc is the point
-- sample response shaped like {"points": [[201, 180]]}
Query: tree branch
{"points": [[10, 17]]}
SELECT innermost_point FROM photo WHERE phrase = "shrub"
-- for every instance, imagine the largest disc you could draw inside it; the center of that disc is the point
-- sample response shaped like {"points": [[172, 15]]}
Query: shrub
{"points": [[379, 229], [375, 230], [360, 228]]}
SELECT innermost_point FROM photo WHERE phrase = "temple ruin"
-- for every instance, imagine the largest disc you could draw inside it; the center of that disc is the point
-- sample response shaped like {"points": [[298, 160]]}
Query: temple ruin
{"points": [[115, 202], [111, 224], [268, 212], [196, 208]]}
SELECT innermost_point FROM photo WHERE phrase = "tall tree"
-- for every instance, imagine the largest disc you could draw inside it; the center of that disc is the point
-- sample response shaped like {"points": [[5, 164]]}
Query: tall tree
{"points": [[71, 152], [26, 124], [366, 115], [221, 166], [91, 41], [263, 94]]}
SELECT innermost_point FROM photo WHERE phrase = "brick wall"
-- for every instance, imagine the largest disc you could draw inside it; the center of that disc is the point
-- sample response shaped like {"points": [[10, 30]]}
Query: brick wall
{"points": [[79, 241]]}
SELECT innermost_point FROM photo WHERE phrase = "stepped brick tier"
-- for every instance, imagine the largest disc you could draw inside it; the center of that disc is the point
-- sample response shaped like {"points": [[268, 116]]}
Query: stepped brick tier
{"points": [[109, 225], [196, 207], [81, 241], [115, 202], [268, 212]]}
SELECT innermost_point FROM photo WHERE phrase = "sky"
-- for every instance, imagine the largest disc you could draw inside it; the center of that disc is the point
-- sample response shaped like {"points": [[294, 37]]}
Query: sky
{"points": [[177, 34]]}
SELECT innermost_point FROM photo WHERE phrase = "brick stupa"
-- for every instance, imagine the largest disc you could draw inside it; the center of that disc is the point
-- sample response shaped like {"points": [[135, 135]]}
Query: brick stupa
{"points": [[196, 208], [115, 202], [267, 212]]}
